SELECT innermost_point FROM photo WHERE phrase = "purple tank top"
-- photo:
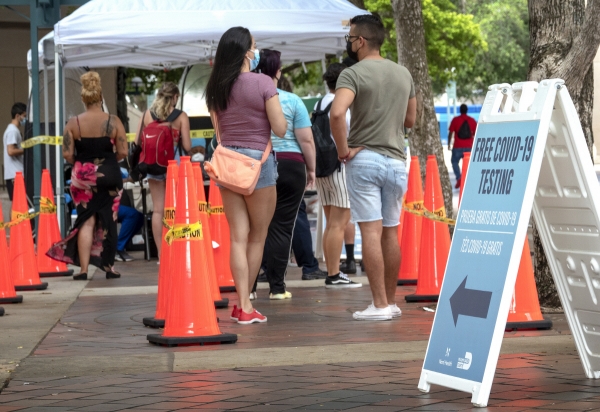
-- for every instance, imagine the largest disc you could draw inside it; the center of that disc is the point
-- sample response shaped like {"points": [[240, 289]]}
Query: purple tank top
{"points": [[245, 122]]}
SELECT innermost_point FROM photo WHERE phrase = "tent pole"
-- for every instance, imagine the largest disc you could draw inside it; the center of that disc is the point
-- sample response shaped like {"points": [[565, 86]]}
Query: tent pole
{"points": [[46, 116], [57, 132], [324, 68]]}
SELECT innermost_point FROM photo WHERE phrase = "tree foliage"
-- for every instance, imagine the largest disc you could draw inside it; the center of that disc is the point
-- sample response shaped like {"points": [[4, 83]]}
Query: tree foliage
{"points": [[505, 28], [452, 39]]}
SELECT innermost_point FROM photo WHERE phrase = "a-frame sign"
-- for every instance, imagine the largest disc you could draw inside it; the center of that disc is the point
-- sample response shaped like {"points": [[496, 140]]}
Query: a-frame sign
{"points": [[529, 154]]}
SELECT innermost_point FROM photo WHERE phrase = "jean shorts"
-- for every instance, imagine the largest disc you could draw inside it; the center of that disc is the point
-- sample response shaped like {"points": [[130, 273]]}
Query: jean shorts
{"points": [[268, 171], [160, 178], [376, 185]]}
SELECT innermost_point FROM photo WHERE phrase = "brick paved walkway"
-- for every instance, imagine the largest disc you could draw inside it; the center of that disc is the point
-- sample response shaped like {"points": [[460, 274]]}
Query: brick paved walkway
{"points": [[97, 358]]}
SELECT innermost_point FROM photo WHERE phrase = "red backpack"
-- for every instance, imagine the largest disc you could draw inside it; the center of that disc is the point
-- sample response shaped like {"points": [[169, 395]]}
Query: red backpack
{"points": [[157, 142]]}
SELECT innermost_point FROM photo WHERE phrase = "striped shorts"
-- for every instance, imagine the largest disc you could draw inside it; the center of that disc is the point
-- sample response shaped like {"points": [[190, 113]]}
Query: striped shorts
{"points": [[332, 189]]}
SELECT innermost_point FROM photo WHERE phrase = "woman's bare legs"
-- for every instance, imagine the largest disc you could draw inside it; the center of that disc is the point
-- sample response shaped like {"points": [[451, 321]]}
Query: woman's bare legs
{"points": [[157, 192], [85, 238], [249, 218]]}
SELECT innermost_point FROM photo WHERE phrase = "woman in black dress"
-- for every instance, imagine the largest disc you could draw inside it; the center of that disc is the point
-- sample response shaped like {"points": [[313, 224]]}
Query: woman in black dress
{"points": [[93, 143]]}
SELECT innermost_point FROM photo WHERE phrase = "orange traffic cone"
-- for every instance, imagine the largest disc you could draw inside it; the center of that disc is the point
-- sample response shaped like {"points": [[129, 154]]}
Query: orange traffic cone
{"points": [[164, 272], [435, 240], [48, 233], [219, 229], [411, 227], [524, 311], [191, 317], [463, 176], [220, 302], [22, 258], [7, 287]]}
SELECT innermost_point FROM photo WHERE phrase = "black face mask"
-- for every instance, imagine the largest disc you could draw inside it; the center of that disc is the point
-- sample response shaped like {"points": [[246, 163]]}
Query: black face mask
{"points": [[352, 54]]}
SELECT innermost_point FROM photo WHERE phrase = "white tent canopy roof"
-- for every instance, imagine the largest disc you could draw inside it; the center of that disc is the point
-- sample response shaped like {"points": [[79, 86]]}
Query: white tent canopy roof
{"points": [[156, 33]]}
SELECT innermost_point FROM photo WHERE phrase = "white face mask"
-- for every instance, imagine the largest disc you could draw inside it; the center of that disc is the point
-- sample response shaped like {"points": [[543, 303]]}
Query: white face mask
{"points": [[197, 157]]}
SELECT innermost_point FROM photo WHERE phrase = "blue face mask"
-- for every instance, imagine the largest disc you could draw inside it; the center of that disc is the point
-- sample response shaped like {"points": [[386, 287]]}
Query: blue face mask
{"points": [[23, 121], [254, 63]]}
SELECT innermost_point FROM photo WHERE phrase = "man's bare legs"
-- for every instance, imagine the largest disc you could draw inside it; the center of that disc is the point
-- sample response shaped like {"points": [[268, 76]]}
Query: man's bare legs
{"points": [[391, 260], [371, 233], [333, 236]]}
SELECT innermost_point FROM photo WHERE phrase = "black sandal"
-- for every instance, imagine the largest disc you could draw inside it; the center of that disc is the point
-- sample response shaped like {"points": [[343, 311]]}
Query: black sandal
{"points": [[112, 275], [81, 276]]}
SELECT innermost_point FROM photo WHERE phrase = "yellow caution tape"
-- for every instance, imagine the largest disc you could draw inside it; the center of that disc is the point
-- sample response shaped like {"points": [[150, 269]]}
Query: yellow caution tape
{"points": [[57, 140], [20, 217], [47, 205], [202, 133], [418, 208], [167, 225], [185, 231], [203, 207], [217, 210], [34, 141]]}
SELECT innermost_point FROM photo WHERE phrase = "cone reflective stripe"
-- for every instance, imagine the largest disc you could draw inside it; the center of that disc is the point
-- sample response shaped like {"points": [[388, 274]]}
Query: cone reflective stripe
{"points": [[191, 317], [524, 311], [411, 226], [435, 240], [219, 229], [463, 175], [164, 269], [220, 302], [48, 233], [7, 287], [23, 262]]}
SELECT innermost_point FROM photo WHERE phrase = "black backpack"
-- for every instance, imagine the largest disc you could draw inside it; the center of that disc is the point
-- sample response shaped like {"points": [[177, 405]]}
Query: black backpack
{"points": [[327, 155], [465, 131]]}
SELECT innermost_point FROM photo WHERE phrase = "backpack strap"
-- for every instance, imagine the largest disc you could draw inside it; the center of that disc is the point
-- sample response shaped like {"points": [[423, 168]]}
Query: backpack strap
{"points": [[328, 108], [174, 115]]}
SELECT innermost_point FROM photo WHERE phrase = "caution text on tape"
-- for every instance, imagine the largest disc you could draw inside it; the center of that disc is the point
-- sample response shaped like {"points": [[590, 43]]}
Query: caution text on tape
{"points": [[192, 231], [418, 208]]}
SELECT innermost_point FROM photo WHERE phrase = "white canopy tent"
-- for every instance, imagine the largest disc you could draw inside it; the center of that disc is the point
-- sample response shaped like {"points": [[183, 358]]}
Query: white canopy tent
{"points": [[176, 33]]}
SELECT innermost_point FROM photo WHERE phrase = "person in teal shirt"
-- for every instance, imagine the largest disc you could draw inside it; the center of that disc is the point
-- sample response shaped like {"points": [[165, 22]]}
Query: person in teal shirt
{"points": [[295, 154]]}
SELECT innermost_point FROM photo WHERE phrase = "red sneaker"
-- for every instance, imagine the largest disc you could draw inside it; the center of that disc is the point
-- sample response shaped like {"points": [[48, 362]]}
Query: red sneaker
{"points": [[235, 313], [248, 318], [457, 185]]}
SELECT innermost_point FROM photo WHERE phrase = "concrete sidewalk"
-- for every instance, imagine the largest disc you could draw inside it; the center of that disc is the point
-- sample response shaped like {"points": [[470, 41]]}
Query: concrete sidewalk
{"points": [[82, 346]]}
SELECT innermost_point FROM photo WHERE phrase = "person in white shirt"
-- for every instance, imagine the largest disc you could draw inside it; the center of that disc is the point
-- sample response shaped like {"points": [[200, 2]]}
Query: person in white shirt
{"points": [[13, 153]]}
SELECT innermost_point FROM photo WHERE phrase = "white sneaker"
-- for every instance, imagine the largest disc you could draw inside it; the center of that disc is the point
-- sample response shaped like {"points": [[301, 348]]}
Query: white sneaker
{"points": [[396, 312], [373, 313], [253, 295]]}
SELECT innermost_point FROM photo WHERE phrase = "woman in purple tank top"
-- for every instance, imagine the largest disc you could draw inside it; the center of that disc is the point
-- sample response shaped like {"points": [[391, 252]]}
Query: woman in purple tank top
{"points": [[247, 107]]}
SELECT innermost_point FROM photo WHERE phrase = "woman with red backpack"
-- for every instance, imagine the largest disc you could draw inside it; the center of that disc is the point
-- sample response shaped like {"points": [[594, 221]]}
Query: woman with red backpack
{"points": [[161, 125]]}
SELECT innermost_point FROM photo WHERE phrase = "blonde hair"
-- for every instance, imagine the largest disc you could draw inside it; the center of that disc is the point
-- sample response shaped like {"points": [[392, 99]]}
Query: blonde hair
{"points": [[91, 90], [161, 106]]}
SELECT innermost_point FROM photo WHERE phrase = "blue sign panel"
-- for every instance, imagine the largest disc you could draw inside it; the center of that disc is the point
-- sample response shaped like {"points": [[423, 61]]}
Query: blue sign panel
{"points": [[483, 242]]}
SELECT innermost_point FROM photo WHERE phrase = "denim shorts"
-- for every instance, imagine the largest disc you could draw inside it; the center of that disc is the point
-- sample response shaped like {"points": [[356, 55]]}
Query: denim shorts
{"points": [[268, 171], [160, 178], [376, 184]]}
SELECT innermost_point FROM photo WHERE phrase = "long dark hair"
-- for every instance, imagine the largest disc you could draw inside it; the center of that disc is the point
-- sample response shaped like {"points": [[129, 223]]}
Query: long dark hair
{"points": [[229, 58], [270, 62]]}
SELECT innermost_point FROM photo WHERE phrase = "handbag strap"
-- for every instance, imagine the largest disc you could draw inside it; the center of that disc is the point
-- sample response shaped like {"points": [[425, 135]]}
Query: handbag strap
{"points": [[267, 151]]}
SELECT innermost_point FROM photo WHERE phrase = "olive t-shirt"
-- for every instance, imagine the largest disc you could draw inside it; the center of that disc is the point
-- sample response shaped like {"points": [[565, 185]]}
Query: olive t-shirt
{"points": [[382, 90]]}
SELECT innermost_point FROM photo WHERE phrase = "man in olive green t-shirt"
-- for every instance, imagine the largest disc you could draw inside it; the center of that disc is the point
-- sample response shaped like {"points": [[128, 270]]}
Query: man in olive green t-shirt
{"points": [[381, 98]]}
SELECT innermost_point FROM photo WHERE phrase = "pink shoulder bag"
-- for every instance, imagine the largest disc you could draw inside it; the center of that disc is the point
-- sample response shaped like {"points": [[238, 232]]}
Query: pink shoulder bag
{"points": [[232, 170]]}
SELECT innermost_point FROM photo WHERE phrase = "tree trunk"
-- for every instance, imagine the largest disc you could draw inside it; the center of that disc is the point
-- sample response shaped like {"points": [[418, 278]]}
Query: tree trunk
{"points": [[565, 36], [424, 138]]}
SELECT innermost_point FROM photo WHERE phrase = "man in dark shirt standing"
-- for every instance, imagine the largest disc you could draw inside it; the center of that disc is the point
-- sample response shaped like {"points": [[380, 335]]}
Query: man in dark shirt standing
{"points": [[462, 131], [381, 98]]}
